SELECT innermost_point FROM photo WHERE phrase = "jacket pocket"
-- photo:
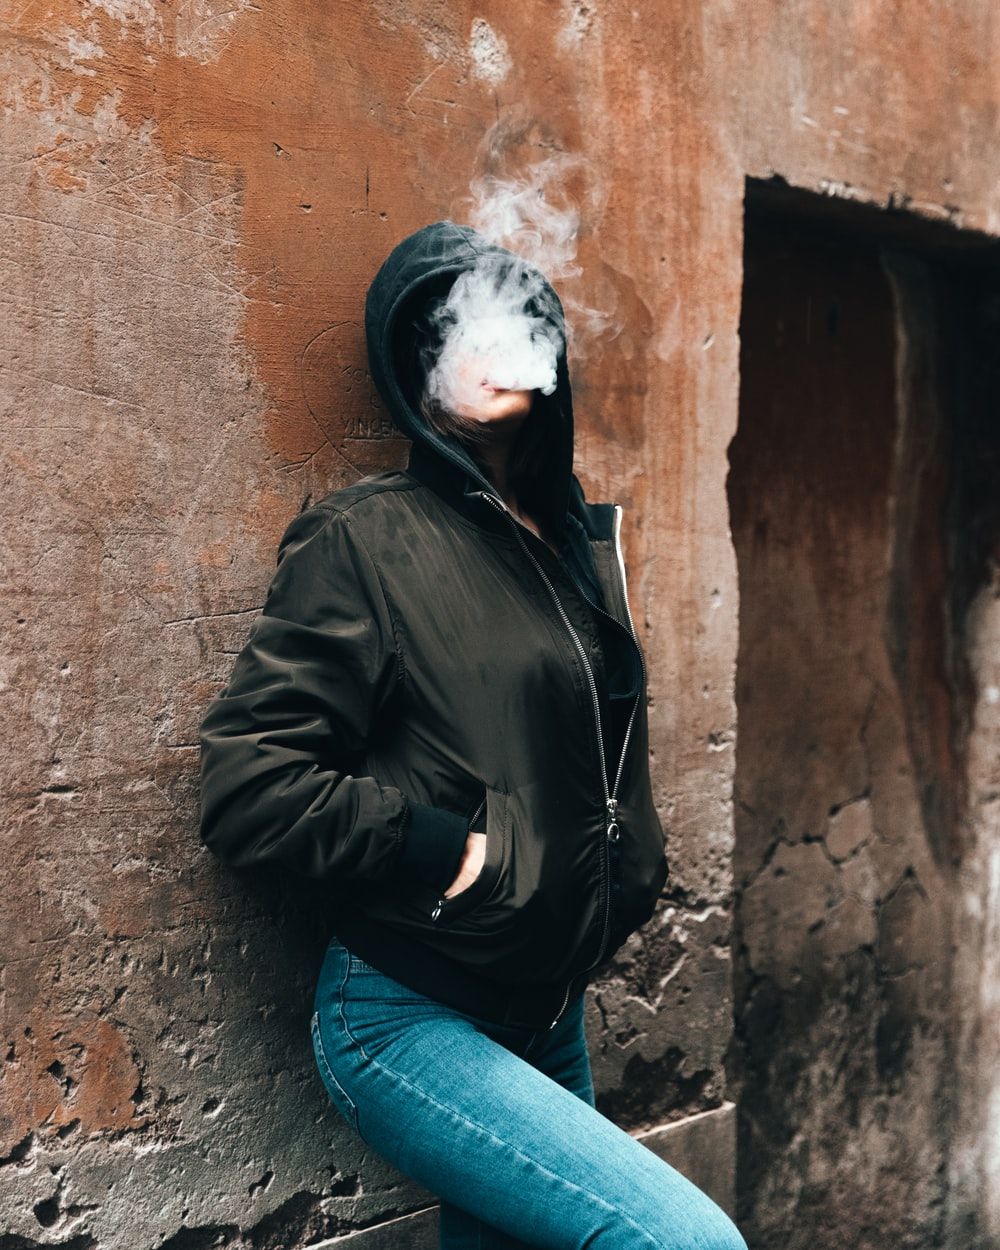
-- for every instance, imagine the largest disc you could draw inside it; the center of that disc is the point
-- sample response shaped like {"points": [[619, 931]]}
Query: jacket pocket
{"points": [[497, 816]]}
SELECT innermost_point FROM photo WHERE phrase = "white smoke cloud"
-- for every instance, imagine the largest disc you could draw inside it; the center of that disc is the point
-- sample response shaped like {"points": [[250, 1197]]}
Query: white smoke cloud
{"points": [[499, 326]]}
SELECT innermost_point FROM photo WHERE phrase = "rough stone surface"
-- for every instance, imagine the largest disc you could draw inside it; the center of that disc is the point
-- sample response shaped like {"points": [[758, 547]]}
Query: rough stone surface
{"points": [[974, 1162], [194, 197]]}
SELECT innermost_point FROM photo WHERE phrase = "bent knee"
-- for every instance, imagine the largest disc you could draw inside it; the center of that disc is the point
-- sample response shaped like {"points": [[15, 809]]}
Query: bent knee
{"points": [[705, 1230], [716, 1232]]}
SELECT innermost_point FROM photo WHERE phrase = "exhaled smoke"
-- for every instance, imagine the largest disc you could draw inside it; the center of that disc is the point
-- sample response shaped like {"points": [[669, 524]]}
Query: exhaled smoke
{"points": [[496, 328], [499, 326], [534, 216]]}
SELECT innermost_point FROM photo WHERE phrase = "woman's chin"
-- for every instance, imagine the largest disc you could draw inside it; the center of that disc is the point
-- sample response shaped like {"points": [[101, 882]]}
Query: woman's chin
{"points": [[508, 407]]}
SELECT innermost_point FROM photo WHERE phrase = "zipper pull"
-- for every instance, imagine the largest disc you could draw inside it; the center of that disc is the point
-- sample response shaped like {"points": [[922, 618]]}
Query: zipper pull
{"points": [[485, 494], [562, 1008], [437, 910], [612, 820]]}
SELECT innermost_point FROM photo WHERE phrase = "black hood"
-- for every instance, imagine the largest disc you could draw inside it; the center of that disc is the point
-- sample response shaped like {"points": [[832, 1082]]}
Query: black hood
{"points": [[424, 266]]}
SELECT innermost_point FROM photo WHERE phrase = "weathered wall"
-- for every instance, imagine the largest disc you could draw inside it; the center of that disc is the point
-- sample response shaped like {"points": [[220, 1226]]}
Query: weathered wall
{"points": [[194, 197]]}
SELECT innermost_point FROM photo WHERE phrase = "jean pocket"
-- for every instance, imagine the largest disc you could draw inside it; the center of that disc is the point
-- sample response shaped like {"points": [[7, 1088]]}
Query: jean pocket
{"points": [[339, 1096]]}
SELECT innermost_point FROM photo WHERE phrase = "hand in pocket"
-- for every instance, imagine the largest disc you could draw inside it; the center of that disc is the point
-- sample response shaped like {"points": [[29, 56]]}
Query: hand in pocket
{"points": [[471, 864]]}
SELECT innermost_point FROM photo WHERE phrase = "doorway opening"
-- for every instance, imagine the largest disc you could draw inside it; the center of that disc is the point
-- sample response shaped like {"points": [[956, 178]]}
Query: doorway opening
{"points": [[864, 496]]}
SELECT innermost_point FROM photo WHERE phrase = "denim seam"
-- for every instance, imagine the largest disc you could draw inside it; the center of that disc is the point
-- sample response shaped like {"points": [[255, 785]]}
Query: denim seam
{"points": [[422, 1093], [340, 1011], [326, 1063], [328, 1071]]}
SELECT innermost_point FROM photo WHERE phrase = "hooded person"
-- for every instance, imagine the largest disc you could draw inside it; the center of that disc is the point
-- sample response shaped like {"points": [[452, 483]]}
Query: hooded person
{"points": [[418, 275], [423, 660]]}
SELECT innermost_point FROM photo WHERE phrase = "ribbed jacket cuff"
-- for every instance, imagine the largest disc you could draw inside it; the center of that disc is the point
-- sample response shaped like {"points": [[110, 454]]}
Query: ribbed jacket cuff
{"points": [[433, 842]]}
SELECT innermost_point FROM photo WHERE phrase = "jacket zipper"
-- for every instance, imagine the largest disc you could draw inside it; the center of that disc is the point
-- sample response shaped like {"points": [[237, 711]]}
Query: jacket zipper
{"points": [[475, 815], [612, 831]]}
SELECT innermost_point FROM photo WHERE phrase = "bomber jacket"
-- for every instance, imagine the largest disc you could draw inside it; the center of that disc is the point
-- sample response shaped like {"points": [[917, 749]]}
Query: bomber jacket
{"points": [[424, 664]]}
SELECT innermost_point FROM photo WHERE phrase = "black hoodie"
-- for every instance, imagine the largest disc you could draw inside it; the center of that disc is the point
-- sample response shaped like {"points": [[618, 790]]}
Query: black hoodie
{"points": [[423, 659], [423, 266]]}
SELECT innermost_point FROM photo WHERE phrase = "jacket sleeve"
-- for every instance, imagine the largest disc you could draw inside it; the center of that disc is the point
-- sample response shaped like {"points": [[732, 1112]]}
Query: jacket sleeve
{"points": [[281, 743]]}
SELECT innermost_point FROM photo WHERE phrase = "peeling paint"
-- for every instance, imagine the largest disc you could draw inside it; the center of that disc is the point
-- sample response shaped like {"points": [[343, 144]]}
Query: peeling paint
{"points": [[578, 24], [489, 52]]}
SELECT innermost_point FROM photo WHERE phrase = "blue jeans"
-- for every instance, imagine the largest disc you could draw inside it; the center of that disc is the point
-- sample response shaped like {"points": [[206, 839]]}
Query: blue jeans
{"points": [[499, 1122]]}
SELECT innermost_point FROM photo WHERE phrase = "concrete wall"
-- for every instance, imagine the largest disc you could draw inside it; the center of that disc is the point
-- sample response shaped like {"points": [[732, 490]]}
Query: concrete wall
{"points": [[194, 197]]}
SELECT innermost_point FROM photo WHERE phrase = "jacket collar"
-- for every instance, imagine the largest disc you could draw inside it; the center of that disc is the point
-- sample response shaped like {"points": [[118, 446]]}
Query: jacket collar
{"points": [[457, 486], [590, 522], [586, 524]]}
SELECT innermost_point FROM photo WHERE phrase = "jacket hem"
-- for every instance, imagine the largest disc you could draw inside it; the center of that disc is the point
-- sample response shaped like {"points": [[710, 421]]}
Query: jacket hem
{"points": [[425, 970]]}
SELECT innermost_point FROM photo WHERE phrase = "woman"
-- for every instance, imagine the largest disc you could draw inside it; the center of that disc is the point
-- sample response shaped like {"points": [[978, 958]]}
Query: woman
{"points": [[441, 713]]}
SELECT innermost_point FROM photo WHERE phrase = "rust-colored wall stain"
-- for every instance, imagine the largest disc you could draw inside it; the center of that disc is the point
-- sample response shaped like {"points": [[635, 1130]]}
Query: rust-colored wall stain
{"points": [[195, 196], [64, 1073]]}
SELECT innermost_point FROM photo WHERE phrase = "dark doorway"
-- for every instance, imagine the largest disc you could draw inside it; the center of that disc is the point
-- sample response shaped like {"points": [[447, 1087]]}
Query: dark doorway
{"points": [[864, 492]]}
